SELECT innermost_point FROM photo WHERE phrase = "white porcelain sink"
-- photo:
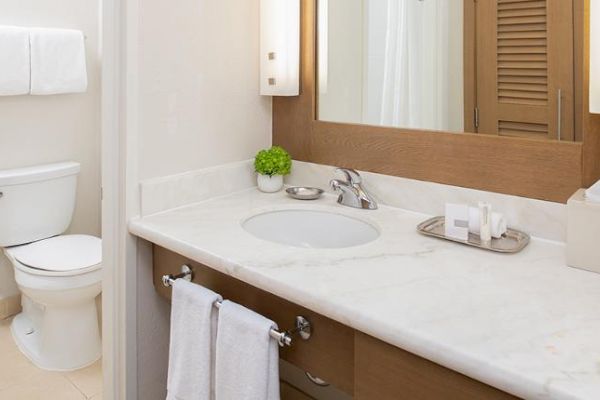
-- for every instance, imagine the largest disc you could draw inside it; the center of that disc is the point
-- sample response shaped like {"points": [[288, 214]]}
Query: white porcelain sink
{"points": [[310, 229]]}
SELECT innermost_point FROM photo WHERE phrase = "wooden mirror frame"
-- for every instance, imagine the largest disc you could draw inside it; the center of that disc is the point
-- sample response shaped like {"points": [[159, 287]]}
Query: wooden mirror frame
{"points": [[541, 169]]}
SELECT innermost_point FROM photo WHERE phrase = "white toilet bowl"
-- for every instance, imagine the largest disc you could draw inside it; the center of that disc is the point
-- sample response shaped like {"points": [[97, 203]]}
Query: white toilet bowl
{"points": [[59, 279]]}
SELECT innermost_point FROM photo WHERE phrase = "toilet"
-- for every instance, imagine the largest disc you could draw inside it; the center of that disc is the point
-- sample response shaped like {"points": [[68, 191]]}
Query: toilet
{"points": [[59, 275]]}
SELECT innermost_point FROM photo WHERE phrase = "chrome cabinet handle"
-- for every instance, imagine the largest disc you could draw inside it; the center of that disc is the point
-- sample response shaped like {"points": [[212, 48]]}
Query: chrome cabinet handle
{"points": [[315, 380]]}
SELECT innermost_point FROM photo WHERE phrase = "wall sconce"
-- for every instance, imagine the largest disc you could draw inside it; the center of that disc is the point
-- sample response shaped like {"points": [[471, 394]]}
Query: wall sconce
{"points": [[323, 44], [280, 47], [595, 56]]}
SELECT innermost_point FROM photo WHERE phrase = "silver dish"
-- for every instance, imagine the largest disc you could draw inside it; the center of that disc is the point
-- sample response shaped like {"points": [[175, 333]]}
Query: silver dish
{"points": [[512, 241], [304, 193]]}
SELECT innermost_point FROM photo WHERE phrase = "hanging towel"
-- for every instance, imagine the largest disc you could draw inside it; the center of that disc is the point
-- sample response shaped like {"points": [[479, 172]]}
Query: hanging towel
{"points": [[15, 66], [57, 61], [191, 349], [247, 360]]}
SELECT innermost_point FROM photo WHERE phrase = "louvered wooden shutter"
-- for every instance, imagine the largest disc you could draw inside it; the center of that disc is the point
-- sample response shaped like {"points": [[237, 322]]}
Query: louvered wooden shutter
{"points": [[524, 51]]}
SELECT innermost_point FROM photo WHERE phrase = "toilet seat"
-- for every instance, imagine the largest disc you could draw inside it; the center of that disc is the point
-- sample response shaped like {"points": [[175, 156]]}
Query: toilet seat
{"points": [[65, 255]]}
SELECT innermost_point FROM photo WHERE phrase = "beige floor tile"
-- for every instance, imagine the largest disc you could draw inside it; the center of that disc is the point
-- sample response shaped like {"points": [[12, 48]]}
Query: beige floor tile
{"points": [[48, 387], [16, 370], [20, 379], [87, 380]]}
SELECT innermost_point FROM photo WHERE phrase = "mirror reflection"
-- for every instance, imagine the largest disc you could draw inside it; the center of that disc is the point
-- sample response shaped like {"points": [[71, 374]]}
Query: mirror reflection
{"points": [[495, 67]]}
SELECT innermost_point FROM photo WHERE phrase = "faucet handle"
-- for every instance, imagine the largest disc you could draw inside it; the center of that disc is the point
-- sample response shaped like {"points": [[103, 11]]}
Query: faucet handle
{"points": [[352, 175]]}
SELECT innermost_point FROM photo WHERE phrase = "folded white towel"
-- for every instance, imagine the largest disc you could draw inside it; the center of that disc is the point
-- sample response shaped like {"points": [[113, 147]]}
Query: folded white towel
{"points": [[14, 65], [191, 349], [57, 61], [593, 193], [497, 224], [247, 360]]}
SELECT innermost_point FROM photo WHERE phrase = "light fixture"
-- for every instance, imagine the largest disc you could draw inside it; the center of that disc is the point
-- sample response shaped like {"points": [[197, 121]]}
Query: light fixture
{"points": [[595, 56], [280, 47], [323, 44]]}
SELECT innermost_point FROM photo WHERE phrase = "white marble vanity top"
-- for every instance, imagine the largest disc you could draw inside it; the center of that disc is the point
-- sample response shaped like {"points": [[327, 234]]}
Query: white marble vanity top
{"points": [[524, 323]]}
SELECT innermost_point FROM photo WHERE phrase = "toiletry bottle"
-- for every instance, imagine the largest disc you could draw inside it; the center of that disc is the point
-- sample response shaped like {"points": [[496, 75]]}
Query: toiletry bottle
{"points": [[485, 225]]}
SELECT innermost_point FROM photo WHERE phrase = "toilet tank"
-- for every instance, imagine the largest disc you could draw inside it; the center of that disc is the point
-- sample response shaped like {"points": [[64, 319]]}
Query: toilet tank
{"points": [[36, 202]]}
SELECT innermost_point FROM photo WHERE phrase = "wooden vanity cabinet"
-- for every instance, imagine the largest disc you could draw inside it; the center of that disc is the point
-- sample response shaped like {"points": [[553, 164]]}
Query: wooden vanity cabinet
{"points": [[385, 372], [360, 365], [329, 354]]}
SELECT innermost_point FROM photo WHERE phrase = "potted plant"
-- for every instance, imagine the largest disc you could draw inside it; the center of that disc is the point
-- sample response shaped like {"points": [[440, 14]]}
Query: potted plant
{"points": [[271, 165]]}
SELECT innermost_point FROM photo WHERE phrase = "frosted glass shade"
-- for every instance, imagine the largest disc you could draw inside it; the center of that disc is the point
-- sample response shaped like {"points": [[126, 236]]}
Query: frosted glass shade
{"points": [[280, 47], [595, 56], [323, 45]]}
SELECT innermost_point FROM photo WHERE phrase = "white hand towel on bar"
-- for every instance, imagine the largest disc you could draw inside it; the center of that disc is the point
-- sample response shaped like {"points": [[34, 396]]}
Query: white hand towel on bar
{"points": [[192, 344], [57, 61], [247, 360], [14, 67]]}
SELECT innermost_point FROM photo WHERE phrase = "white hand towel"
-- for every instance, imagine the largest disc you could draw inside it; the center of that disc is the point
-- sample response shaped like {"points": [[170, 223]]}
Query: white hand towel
{"points": [[498, 223], [193, 335], [14, 65], [247, 359], [57, 61], [593, 193]]}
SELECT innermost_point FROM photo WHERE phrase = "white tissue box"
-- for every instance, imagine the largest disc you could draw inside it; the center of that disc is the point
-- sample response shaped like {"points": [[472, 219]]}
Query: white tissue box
{"points": [[583, 233]]}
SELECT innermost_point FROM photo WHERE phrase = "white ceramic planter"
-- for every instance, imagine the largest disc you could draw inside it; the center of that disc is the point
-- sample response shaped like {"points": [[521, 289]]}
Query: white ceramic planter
{"points": [[269, 184]]}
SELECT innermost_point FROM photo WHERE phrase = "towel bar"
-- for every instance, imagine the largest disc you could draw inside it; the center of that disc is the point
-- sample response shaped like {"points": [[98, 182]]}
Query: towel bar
{"points": [[303, 327]]}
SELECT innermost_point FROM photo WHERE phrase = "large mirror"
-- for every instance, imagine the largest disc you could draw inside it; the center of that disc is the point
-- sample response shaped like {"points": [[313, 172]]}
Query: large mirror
{"points": [[499, 67]]}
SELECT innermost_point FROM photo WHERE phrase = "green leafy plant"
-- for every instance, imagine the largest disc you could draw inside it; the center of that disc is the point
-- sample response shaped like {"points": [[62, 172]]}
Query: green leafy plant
{"points": [[273, 161]]}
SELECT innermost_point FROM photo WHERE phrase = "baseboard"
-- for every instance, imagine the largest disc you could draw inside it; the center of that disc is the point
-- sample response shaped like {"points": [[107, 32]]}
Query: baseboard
{"points": [[10, 306]]}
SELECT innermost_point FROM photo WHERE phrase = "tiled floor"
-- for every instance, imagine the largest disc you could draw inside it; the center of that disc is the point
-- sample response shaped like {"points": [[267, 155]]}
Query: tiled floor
{"points": [[21, 380]]}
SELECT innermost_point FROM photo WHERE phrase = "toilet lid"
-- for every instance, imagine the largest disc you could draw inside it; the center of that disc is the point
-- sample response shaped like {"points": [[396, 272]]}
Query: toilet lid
{"points": [[61, 253]]}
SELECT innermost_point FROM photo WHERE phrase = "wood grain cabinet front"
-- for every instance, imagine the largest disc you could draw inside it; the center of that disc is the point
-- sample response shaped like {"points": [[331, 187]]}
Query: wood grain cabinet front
{"points": [[385, 372], [329, 354], [357, 364]]}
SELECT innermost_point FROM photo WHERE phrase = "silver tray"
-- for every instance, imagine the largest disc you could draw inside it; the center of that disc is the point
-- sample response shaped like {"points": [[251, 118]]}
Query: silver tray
{"points": [[512, 241]]}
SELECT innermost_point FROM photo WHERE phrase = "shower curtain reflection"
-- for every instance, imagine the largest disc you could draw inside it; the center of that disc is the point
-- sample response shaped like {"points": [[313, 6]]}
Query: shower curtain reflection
{"points": [[392, 62], [414, 73]]}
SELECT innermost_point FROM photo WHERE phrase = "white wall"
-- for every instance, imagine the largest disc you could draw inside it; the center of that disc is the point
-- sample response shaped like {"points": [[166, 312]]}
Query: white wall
{"points": [[198, 105], [44, 129], [198, 80]]}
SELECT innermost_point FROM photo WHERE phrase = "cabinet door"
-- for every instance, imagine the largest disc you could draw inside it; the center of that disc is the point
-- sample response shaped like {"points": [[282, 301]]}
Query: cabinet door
{"points": [[385, 372], [289, 392], [524, 67]]}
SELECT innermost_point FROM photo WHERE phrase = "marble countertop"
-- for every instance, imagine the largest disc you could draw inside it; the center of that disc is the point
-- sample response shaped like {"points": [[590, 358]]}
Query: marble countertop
{"points": [[524, 323]]}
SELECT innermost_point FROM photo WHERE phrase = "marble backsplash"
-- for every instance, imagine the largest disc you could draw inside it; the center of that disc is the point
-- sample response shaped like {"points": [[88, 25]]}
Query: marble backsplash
{"points": [[165, 193], [541, 219]]}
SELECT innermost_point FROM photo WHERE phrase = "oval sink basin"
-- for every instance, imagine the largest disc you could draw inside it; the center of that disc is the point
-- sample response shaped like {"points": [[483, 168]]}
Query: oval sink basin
{"points": [[310, 229]]}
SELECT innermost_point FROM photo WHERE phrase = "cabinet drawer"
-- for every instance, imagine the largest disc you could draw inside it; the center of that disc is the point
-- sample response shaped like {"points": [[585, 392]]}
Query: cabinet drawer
{"points": [[288, 392], [385, 372], [328, 354]]}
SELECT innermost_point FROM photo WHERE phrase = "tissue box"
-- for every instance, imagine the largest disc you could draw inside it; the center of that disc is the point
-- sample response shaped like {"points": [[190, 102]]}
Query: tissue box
{"points": [[583, 233]]}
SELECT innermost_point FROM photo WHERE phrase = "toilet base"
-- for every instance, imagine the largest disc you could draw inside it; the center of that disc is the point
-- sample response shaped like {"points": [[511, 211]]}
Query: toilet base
{"points": [[58, 339]]}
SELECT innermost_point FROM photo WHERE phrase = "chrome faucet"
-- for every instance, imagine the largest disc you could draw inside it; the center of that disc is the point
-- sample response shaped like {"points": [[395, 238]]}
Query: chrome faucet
{"points": [[352, 194]]}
